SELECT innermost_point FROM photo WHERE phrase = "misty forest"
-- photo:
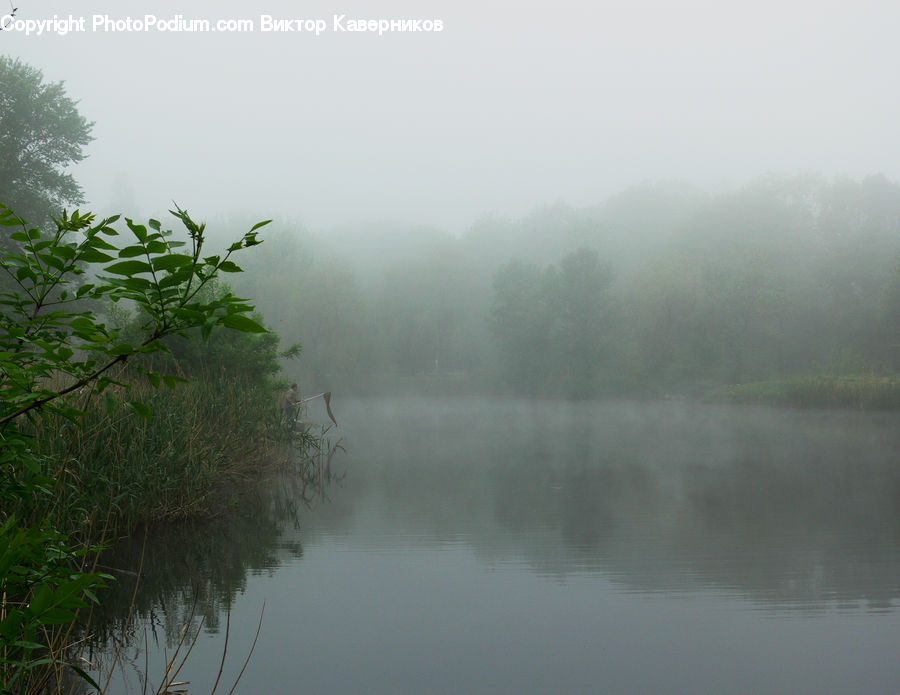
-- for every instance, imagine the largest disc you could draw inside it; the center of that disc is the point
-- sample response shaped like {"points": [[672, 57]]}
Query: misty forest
{"points": [[786, 289], [645, 444]]}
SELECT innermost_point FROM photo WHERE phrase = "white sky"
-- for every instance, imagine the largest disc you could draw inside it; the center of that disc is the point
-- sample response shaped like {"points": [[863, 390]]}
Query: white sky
{"points": [[513, 105]]}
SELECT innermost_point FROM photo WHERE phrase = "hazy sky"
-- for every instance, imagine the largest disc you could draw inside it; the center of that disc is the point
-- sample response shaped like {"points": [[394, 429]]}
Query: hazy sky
{"points": [[512, 105]]}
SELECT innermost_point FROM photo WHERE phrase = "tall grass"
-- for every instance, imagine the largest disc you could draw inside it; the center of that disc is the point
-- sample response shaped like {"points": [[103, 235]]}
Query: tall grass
{"points": [[859, 392], [116, 470]]}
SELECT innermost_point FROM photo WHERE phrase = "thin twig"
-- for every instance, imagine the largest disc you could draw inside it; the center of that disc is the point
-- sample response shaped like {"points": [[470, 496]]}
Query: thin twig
{"points": [[225, 646], [252, 647], [174, 674]]}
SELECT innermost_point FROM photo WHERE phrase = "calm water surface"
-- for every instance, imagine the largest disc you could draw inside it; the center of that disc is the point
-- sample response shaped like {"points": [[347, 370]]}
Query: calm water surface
{"points": [[502, 546]]}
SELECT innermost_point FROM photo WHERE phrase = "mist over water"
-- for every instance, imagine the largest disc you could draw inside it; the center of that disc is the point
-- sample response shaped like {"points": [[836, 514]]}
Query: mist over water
{"points": [[500, 545], [534, 207]]}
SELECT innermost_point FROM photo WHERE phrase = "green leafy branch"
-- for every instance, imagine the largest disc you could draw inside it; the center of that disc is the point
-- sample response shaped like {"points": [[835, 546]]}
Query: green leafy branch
{"points": [[52, 344], [47, 332]]}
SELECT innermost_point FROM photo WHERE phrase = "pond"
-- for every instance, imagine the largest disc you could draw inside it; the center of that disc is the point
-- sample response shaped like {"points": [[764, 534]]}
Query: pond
{"points": [[513, 546]]}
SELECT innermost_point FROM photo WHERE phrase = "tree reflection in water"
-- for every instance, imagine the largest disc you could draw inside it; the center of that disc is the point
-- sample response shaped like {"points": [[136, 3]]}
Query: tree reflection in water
{"points": [[176, 579]]}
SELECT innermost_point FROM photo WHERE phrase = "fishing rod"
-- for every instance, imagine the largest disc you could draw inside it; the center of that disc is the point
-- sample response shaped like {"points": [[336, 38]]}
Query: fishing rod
{"points": [[326, 396]]}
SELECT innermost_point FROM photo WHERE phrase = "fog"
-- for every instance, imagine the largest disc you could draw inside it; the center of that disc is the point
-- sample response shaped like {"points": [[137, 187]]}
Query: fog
{"points": [[510, 106], [606, 296]]}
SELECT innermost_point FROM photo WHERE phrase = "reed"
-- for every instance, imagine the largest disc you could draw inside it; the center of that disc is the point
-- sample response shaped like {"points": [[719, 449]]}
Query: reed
{"points": [[115, 470], [857, 392]]}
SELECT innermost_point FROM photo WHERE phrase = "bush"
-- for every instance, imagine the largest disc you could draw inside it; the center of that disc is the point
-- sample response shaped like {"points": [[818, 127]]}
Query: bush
{"points": [[56, 356]]}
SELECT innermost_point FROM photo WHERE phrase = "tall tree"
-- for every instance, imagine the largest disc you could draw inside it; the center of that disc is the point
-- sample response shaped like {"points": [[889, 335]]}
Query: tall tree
{"points": [[41, 133], [891, 314], [581, 320], [552, 326], [519, 321]]}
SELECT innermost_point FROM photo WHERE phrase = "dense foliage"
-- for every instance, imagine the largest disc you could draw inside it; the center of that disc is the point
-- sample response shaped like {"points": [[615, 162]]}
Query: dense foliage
{"points": [[57, 357], [553, 325], [124, 396]]}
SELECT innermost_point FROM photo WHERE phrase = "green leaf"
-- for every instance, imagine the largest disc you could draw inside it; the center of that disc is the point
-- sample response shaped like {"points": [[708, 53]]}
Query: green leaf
{"points": [[96, 242], [259, 224], [155, 346], [230, 267], [172, 380], [28, 644], [95, 256], [41, 600], [11, 625], [176, 278], [239, 308], [242, 323], [154, 379], [128, 267], [105, 381], [57, 616], [85, 676], [132, 252], [172, 261], [141, 410], [140, 231], [67, 252], [138, 284], [51, 260], [82, 323], [207, 327]]}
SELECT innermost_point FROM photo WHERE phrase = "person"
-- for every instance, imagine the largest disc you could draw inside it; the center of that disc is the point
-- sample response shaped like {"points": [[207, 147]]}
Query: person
{"points": [[289, 401]]}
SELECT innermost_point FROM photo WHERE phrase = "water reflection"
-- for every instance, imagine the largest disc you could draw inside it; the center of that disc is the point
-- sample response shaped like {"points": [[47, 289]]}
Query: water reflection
{"points": [[190, 573], [784, 507], [562, 532], [787, 508]]}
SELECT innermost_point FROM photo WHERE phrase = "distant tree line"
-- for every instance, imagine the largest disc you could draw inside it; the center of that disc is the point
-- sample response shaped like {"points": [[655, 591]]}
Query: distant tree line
{"points": [[661, 289]]}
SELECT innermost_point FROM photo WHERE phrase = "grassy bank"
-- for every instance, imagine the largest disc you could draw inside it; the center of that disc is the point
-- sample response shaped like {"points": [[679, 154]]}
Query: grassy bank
{"points": [[115, 469], [858, 392], [77, 469], [112, 470]]}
